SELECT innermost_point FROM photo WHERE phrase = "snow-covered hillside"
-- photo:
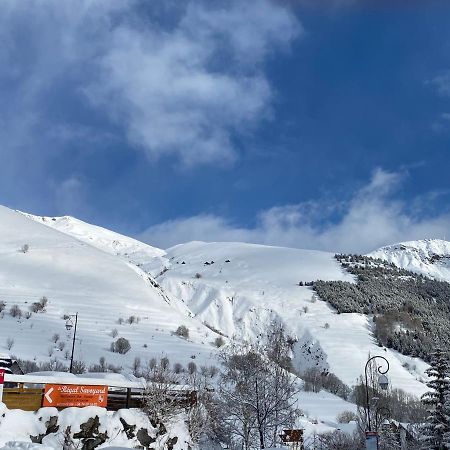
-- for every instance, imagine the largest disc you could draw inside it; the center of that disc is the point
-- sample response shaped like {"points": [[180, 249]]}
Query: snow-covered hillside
{"points": [[239, 289], [78, 277], [430, 257], [230, 289]]}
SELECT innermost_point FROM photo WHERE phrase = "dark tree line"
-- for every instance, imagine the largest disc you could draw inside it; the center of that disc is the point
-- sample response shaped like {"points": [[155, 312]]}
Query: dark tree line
{"points": [[411, 312]]}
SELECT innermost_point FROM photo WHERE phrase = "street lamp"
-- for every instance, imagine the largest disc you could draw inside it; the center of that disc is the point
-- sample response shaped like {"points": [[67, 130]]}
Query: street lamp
{"points": [[69, 326], [383, 382], [382, 412]]}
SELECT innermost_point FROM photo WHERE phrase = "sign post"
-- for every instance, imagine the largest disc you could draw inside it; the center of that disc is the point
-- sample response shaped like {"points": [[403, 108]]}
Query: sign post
{"points": [[2, 381], [371, 440], [293, 437], [66, 395]]}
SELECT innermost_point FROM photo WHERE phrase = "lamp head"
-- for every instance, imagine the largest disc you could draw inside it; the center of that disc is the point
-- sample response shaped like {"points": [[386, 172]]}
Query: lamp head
{"points": [[383, 382]]}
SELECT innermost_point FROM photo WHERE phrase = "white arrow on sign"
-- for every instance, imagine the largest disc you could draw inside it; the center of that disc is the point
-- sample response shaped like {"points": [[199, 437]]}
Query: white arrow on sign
{"points": [[47, 395]]}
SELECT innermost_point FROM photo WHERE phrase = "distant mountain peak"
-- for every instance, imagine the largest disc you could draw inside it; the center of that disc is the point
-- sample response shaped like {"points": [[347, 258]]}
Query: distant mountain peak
{"points": [[430, 257]]}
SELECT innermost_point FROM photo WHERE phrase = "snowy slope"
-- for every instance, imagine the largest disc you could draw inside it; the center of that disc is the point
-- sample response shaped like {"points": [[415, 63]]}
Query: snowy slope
{"points": [[105, 275], [259, 284], [148, 258], [78, 277], [430, 257]]}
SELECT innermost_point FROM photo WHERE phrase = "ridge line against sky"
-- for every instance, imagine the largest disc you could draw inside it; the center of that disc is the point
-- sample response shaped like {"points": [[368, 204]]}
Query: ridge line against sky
{"points": [[271, 121]]}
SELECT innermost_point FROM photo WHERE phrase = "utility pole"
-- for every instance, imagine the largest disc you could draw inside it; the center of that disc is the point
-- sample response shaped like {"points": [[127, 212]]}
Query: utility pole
{"points": [[69, 325]]}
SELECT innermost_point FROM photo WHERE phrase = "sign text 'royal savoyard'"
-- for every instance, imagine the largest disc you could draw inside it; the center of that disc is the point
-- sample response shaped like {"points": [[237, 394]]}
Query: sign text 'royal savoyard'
{"points": [[66, 395]]}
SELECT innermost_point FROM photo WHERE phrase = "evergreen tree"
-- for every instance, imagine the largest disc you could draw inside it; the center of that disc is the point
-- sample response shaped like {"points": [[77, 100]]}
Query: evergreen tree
{"points": [[438, 421]]}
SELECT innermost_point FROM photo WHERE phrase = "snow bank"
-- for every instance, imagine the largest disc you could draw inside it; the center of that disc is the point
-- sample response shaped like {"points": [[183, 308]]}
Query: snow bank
{"points": [[122, 428]]}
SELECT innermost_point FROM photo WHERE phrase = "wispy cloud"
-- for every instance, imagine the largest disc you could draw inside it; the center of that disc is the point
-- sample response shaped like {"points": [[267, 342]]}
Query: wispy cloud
{"points": [[373, 217], [179, 79], [186, 91]]}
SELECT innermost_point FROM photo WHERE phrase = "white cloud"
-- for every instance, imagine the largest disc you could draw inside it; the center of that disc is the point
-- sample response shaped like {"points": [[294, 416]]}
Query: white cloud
{"points": [[181, 86], [185, 91], [371, 219], [442, 83]]}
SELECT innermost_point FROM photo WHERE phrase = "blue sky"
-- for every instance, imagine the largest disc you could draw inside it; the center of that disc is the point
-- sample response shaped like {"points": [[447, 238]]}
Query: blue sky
{"points": [[276, 122]]}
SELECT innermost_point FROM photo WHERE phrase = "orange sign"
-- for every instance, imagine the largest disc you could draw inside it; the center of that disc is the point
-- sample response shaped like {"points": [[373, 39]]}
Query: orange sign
{"points": [[65, 395]]}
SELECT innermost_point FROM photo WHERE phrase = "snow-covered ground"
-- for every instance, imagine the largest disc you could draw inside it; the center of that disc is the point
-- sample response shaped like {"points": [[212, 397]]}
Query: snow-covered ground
{"points": [[101, 287], [231, 289], [260, 284], [17, 426]]}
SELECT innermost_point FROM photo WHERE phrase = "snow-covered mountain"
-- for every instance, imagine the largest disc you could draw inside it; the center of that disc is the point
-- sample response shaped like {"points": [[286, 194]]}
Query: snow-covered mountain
{"points": [[101, 286], [429, 257], [233, 290]]}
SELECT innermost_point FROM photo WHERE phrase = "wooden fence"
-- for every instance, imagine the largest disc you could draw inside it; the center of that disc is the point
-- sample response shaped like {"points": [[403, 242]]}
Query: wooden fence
{"points": [[120, 395]]}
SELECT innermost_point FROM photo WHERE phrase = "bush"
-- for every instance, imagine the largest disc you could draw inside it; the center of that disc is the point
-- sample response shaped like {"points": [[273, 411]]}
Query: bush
{"points": [[198, 275], [9, 343], [114, 333], [15, 311], [219, 341], [192, 368], [121, 346], [182, 331], [2, 306], [39, 306], [25, 248], [346, 417], [78, 367]]}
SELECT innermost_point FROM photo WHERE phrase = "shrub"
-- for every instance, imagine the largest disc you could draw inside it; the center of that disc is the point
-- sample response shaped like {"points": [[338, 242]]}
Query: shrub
{"points": [[164, 363], [198, 275], [182, 331], [61, 345], [39, 306], [346, 417], [9, 343], [25, 248], [121, 346], [2, 306], [78, 367], [219, 341], [132, 319], [114, 333], [55, 338], [192, 368], [177, 368], [15, 311]]}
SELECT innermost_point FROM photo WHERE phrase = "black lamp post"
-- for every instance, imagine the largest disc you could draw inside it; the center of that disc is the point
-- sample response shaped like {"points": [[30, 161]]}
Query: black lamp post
{"points": [[69, 326], [382, 381]]}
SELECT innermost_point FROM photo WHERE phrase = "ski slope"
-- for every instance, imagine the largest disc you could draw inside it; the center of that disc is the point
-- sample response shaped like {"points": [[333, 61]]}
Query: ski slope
{"points": [[259, 284], [79, 277], [231, 289]]}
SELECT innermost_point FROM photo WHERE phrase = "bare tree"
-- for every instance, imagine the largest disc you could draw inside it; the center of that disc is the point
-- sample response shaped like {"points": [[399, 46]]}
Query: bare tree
{"points": [[258, 396], [161, 401]]}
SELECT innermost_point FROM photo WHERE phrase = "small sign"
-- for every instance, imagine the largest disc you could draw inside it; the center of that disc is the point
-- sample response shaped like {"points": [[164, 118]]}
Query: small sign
{"points": [[66, 395], [2, 381], [292, 436]]}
